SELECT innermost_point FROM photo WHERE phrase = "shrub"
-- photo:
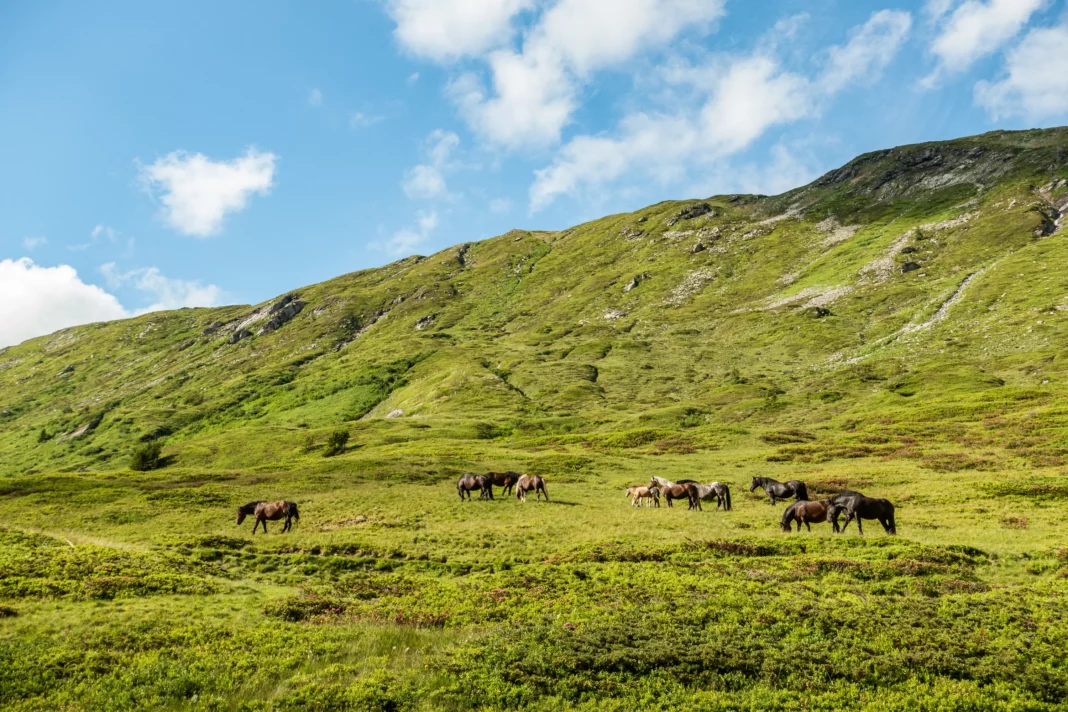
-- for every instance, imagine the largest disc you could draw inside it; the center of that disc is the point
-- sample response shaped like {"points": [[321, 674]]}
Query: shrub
{"points": [[147, 456], [43, 436], [335, 444]]}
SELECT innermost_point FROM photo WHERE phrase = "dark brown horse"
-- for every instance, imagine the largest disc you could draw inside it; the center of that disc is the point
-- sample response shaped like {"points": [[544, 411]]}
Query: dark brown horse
{"points": [[527, 483], [671, 491], [804, 512], [861, 507], [469, 482], [836, 506], [506, 480], [273, 511]]}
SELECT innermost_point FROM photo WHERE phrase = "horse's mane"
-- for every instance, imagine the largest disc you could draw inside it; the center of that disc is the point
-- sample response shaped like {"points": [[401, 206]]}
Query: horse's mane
{"points": [[250, 508]]}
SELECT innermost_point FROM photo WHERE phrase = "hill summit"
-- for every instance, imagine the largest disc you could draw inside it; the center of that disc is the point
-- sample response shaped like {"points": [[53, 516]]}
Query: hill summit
{"points": [[915, 284]]}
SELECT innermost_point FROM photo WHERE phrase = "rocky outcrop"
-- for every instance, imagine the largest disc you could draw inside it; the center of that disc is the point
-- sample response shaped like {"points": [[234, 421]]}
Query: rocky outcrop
{"points": [[239, 335], [212, 328], [698, 247], [691, 212], [425, 321], [282, 312], [909, 267], [613, 314], [638, 279]]}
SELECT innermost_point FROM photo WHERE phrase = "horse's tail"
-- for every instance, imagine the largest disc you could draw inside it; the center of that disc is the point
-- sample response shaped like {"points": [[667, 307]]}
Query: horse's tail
{"points": [[727, 492], [291, 509], [802, 491], [890, 517]]}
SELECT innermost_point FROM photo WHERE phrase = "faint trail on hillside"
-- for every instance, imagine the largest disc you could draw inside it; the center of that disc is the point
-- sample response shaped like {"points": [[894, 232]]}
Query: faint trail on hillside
{"points": [[939, 315]]}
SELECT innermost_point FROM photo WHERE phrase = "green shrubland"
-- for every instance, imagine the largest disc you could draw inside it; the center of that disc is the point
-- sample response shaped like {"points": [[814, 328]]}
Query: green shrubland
{"points": [[793, 345]]}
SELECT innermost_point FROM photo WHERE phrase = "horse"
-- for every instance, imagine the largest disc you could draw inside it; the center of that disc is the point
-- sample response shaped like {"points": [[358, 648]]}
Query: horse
{"points": [[469, 482], [641, 494], [273, 511], [836, 505], [531, 482], [718, 490], [860, 507], [780, 490], [804, 512], [506, 480], [672, 490]]}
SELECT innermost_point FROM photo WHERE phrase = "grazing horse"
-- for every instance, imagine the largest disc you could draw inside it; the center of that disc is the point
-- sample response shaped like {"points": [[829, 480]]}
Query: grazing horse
{"points": [[273, 511], [506, 480], [672, 491], [644, 496], [836, 505], [469, 482], [860, 507], [717, 490], [531, 482], [780, 490], [804, 512]]}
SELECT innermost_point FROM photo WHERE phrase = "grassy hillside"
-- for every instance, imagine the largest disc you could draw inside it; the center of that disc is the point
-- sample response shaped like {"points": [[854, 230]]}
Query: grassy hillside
{"points": [[896, 327]]}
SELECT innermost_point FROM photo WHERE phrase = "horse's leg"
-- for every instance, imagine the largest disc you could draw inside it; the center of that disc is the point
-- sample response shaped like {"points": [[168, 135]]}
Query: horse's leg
{"points": [[860, 527], [809, 528], [256, 524]]}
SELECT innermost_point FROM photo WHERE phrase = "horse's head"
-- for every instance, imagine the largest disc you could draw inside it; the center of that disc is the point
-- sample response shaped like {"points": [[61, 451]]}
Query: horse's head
{"points": [[241, 514], [755, 483]]}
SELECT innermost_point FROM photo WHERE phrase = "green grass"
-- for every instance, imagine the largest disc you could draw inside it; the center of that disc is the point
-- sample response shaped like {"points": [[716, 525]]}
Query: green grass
{"points": [[123, 589]]}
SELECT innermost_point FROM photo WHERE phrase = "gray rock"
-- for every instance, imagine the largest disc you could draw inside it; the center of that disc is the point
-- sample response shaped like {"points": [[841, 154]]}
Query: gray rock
{"points": [[691, 212], [66, 370], [909, 267], [613, 314], [281, 303], [819, 312], [909, 250], [284, 313], [638, 279], [239, 335], [643, 218], [212, 328], [699, 247], [395, 413], [425, 321]]}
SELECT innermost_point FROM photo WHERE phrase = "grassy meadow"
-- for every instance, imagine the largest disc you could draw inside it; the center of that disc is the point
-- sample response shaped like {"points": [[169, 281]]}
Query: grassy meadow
{"points": [[896, 327]]}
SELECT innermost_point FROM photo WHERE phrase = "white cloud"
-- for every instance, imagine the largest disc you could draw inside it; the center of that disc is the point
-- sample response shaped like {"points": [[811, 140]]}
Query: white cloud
{"points": [[197, 193], [1036, 81], [103, 230], [742, 97], [534, 91], [358, 119], [165, 292], [37, 300], [937, 9], [315, 98], [405, 242], [500, 206], [425, 181], [869, 50], [446, 30], [976, 29], [412, 78], [33, 242]]}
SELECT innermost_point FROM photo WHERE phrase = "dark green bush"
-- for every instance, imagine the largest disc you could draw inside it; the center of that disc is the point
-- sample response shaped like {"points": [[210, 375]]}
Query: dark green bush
{"points": [[335, 444], [147, 456]]}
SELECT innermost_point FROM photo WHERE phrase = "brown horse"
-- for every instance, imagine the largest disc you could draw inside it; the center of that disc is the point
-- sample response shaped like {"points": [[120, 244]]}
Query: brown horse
{"points": [[469, 482], [273, 511], [804, 512], [506, 480], [643, 496], [531, 482], [670, 490]]}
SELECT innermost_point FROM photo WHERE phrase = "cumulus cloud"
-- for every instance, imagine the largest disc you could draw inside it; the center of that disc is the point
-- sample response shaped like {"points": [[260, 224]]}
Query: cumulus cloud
{"points": [[406, 242], [446, 30], [974, 30], [1035, 84], [533, 91], [741, 99], [36, 300], [197, 192], [164, 292], [426, 181]]}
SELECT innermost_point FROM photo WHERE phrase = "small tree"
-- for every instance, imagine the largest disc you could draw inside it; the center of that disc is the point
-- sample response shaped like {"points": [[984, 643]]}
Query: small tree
{"points": [[147, 456], [335, 444]]}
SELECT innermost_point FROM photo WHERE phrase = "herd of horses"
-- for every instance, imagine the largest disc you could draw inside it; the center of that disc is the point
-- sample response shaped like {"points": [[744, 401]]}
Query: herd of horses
{"points": [[854, 505], [803, 511]]}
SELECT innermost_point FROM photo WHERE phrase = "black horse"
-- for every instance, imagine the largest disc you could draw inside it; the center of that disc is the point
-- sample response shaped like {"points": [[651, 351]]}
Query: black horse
{"points": [[836, 505], [860, 507], [780, 490], [469, 482]]}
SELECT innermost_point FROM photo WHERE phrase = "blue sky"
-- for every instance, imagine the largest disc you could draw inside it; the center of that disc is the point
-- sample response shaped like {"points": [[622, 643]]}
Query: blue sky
{"points": [[168, 154]]}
